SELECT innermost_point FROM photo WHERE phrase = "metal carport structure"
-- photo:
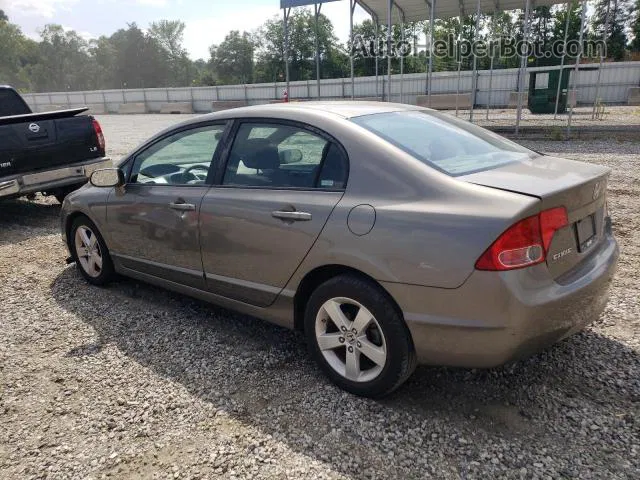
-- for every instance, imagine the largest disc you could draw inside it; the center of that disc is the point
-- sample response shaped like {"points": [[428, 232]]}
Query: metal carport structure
{"points": [[382, 12]]}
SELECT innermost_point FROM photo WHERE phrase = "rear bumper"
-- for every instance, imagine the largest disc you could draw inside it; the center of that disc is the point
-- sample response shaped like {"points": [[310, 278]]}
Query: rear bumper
{"points": [[75, 174], [497, 317]]}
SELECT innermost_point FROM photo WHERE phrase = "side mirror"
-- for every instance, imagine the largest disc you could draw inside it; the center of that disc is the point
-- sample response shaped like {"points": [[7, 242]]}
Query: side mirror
{"points": [[290, 156], [107, 177]]}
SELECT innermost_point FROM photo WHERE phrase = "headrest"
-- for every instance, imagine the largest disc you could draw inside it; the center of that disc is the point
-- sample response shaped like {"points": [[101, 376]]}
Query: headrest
{"points": [[261, 155]]}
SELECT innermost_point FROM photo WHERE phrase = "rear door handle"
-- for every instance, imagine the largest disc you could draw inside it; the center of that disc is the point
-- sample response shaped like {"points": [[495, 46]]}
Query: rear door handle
{"points": [[183, 207], [292, 216]]}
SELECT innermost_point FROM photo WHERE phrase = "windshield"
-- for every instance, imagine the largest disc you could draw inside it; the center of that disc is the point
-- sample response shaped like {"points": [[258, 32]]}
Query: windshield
{"points": [[452, 146]]}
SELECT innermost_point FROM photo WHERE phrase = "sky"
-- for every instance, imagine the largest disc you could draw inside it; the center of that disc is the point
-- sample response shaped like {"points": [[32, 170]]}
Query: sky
{"points": [[207, 21]]}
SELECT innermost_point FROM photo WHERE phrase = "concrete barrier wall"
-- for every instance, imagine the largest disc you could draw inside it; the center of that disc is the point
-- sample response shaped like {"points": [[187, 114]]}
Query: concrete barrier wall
{"points": [[131, 108], [513, 99], [220, 105], [494, 89], [634, 96], [447, 101], [176, 107]]}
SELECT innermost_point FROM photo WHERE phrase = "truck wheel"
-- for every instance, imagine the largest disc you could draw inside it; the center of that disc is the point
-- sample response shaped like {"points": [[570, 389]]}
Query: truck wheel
{"points": [[90, 252], [62, 193]]}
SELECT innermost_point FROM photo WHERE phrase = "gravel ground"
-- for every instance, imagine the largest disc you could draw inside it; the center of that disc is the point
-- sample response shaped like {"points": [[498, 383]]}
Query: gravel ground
{"points": [[617, 115], [132, 381]]}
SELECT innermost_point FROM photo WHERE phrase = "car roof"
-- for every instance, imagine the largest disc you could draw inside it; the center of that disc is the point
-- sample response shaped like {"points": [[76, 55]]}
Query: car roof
{"points": [[343, 109]]}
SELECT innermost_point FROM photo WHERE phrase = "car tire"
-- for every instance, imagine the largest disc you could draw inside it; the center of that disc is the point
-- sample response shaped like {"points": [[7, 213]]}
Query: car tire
{"points": [[370, 357], [90, 252]]}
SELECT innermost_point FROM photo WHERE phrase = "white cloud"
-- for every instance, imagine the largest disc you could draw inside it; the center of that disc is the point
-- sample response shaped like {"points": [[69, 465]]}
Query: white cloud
{"points": [[203, 32], [40, 8], [153, 3]]}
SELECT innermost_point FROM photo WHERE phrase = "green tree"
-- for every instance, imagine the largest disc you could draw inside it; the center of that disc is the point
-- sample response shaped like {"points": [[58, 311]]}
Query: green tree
{"points": [[169, 34], [635, 28], [232, 60], [270, 52], [3, 16], [64, 62], [140, 61], [16, 53], [619, 17]]}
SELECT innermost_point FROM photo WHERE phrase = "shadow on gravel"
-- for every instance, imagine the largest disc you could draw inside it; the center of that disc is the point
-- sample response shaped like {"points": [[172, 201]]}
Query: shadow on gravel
{"points": [[261, 375], [20, 219]]}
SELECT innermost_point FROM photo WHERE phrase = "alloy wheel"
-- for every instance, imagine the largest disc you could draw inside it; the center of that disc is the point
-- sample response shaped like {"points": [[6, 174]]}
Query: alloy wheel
{"points": [[351, 339], [88, 251]]}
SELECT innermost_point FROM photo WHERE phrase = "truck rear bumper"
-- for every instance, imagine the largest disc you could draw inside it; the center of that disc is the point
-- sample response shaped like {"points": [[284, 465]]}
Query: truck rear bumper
{"points": [[75, 174]]}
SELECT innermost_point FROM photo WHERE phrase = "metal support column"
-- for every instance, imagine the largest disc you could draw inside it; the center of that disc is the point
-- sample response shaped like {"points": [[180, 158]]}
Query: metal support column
{"points": [[492, 53], [389, 26], [317, 7], [402, 19], [352, 7], [474, 78], [287, 12], [432, 7], [564, 53], [575, 73], [377, 54], [602, 57], [523, 66], [461, 4]]}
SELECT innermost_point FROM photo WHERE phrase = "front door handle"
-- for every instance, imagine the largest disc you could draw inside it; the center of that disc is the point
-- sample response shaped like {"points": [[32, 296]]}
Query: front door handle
{"points": [[183, 207], [292, 216]]}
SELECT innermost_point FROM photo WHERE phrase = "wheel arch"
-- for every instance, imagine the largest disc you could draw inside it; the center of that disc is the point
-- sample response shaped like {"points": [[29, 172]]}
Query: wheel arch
{"points": [[69, 223], [316, 277]]}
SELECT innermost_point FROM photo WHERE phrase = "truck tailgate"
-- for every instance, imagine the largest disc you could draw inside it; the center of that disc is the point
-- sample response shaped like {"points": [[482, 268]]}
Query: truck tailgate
{"points": [[46, 141]]}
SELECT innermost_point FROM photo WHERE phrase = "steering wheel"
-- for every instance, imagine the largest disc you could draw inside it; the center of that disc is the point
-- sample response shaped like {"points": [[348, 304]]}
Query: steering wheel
{"points": [[189, 171]]}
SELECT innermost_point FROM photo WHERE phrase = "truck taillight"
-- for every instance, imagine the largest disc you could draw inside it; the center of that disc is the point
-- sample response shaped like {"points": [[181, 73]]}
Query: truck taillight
{"points": [[99, 135], [525, 243]]}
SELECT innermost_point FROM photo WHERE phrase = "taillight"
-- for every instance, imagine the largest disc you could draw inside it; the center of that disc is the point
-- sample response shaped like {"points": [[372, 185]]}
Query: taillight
{"points": [[524, 244], [99, 135]]}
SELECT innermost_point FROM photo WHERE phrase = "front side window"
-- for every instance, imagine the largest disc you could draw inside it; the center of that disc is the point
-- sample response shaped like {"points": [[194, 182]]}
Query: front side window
{"points": [[284, 156], [450, 145], [183, 158]]}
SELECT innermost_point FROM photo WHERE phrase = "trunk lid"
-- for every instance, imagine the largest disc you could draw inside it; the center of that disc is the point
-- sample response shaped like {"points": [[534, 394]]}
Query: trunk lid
{"points": [[557, 182]]}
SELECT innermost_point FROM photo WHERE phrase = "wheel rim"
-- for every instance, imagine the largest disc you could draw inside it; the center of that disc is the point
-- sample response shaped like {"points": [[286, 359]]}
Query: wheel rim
{"points": [[88, 251], [351, 339]]}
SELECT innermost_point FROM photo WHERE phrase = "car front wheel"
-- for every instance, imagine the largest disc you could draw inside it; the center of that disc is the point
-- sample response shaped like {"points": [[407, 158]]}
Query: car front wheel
{"points": [[358, 337], [90, 252]]}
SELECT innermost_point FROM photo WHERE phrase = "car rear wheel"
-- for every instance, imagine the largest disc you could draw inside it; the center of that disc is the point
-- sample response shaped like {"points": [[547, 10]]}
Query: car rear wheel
{"points": [[358, 337], [90, 252]]}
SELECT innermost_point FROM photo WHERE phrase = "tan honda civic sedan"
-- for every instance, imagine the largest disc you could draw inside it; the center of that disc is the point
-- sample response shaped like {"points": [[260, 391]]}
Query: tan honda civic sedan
{"points": [[390, 234]]}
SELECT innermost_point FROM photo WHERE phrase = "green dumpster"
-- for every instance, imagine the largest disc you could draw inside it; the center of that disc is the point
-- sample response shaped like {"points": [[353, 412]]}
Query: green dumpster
{"points": [[543, 89]]}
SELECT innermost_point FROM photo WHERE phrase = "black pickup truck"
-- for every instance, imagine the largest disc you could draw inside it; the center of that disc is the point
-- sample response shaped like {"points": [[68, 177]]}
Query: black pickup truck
{"points": [[52, 153]]}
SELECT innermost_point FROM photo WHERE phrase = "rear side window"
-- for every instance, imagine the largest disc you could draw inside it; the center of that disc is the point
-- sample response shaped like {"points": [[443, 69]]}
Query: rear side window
{"points": [[450, 145], [11, 104], [284, 156]]}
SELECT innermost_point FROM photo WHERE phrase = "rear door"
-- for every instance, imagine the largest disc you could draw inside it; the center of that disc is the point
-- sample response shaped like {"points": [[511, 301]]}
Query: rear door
{"points": [[153, 219], [278, 184]]}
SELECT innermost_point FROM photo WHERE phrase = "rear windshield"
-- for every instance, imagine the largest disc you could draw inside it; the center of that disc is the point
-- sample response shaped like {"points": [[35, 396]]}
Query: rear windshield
{"points": [[11, 104], [443, 142]]}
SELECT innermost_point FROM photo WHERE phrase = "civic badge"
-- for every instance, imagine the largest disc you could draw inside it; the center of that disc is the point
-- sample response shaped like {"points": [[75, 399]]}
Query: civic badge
{"points": [[597, 190], [34, 127]]}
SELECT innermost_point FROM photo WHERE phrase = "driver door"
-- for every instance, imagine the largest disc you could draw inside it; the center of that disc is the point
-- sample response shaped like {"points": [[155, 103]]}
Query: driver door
{"points": [[154, 217]]}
